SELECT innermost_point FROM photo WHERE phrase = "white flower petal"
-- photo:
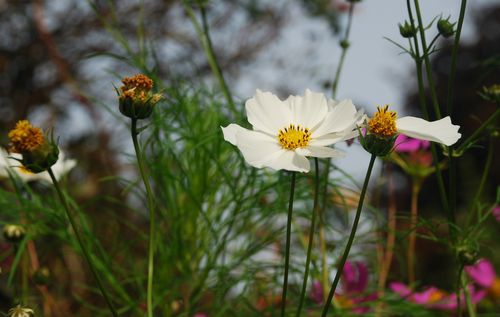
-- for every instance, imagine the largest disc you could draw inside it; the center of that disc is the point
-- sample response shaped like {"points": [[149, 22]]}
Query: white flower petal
{"points": [[290, 161], [343, 116], [257, 147], [230, 132], [320, 151], [310, 110], [441, 131], [268, 113]]}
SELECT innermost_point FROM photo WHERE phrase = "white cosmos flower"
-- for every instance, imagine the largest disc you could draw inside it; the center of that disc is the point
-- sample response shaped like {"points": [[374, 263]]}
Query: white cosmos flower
{"points": [[386, 124], [8, 163], [286, 132]]}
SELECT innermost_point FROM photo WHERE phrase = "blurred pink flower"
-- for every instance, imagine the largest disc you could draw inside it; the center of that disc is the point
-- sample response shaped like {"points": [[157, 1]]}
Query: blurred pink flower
{"points": [[405, 144], [496, 212], [482, 273], [316, 293], [433, 297], [200, 315], [353, 287]]}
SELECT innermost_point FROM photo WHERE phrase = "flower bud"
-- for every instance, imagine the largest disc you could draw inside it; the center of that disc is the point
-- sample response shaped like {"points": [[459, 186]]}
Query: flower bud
{"points": [[407, 30], [38, 150], [345, 44], [135, 98], [467, 253], [379, 146], [445, 27], [42, 276], [14, 233]]}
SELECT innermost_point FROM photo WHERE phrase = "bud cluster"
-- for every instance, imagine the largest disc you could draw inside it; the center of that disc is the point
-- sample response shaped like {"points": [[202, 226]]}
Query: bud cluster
{"points": [[135, 97]]}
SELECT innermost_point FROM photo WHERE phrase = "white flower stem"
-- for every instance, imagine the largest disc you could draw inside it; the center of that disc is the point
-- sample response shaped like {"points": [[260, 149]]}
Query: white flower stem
{"points": [[287, 247], [311, 237]]}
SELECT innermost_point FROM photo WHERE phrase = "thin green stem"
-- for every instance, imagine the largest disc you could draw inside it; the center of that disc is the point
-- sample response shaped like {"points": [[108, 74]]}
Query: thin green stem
{"points": [[484, 177], [479, 130], [454, 53], [311, 237], [204, 35], [458, 290], [150, 197], [471, 310], [80, 242], [415, 190], [427, 61], [345, 47], [287, 247], [340, 269]]}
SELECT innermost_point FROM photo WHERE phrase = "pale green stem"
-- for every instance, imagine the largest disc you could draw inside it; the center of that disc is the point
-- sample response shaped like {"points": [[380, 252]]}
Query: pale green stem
{"points": [[468, 300], [203, 34], [287, 247], [80, 242], [150, 198], [347, 249], [311, 237]]}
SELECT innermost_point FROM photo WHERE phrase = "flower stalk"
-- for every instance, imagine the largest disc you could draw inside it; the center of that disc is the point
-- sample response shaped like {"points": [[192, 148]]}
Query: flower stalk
{"points": [[82, 246], [311, 238], [351, 238], [150, 198], [287, 247], [415, 190]]}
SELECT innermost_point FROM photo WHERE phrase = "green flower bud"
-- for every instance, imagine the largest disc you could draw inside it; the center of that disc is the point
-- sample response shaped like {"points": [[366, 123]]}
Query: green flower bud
{"points": [[344, 44], [445, 27], [491, 93], [135, 97], [467, 253], [407, 30], [14, 233], [379, 146], [42, 276]]}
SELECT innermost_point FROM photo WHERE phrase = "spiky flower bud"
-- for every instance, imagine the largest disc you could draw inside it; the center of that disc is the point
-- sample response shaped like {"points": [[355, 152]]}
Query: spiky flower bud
{"points": [[407, 30], [13, 233], [39, 151], [445, 27], [136, 99]]}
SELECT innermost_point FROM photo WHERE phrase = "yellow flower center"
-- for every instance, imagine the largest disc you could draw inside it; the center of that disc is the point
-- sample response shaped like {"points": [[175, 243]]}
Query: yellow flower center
{"points": [[25, 137], [293, 137], [436, 296], [383, 122], [138, 81]]}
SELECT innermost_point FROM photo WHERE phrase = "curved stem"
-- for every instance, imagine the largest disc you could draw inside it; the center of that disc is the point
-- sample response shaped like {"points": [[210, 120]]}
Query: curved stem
{"points": [[351, 238], [80, 242], [287, 247], [204, 35], [479, 130], [311, 237], [149, 193]]}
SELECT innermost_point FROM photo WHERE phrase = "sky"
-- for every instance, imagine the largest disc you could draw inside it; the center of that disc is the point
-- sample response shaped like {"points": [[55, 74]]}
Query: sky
{"points": [[375, 72]]}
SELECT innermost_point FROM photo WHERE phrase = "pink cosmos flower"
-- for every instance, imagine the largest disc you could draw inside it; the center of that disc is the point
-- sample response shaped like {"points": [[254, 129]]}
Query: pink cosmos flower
{"points": [[354, 284], [432, 297], [316, 293], [405, 144], [482, 273], [496, 212]]}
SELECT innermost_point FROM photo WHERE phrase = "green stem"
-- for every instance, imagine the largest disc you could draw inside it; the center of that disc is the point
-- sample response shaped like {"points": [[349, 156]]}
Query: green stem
{"points": [[311, 237], [454, 53], [415, 190], [80, 242], [204, 35], [468, 300], [351, 238], [427, 62], [423, 107], [149, 193], [344, 46], [287, 247], [476, 133], [458, 291], [484, 177]]}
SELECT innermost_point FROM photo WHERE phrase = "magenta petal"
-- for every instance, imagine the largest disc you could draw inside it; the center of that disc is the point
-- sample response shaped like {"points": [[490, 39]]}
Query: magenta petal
{"points": [[316, 293], [348, 277], [424, 296], [496, 213], [482, 273], [362, 281], [406, 144], [400, 288]]}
